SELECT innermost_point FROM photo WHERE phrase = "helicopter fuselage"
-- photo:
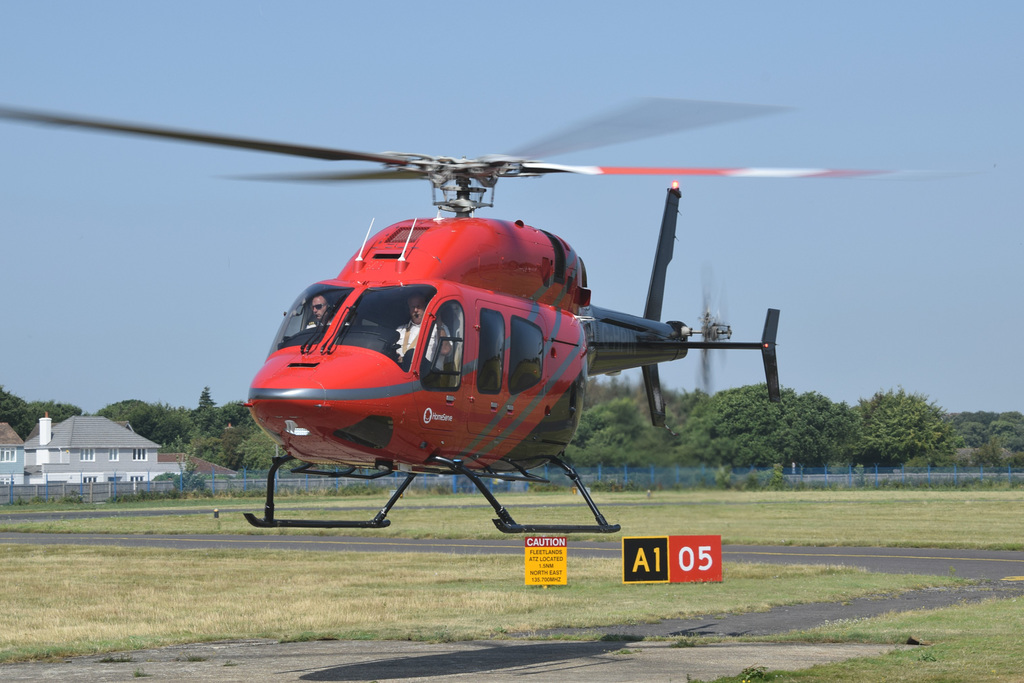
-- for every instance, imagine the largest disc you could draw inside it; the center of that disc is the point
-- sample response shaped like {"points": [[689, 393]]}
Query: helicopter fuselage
{"points": [[497, 376]]}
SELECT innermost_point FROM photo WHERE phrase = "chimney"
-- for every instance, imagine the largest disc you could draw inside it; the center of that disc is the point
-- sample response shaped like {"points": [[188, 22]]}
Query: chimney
{"points": [[45, 431]]}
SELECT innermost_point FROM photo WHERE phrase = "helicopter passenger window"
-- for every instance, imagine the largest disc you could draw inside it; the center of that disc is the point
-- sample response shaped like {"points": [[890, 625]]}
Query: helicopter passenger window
{"points": [[441, 367], [492, 352], [381, 319], [310, 316], [526, 354]]}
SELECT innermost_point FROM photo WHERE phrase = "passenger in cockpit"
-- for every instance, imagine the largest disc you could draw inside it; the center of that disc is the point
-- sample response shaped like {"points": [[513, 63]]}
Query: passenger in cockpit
{"points": [[410, 331]]}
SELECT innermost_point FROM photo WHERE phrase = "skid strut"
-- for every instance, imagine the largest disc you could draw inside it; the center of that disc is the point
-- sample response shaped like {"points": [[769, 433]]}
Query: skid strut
{"points": [[506, 524], [378, 522]]}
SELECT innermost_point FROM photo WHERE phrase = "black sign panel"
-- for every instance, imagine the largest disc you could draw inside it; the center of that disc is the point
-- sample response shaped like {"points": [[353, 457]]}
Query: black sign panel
{"points": [[645, 559]]}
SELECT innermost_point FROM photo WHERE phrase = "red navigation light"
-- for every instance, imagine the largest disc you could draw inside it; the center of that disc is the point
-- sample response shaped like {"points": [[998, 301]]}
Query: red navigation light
{"points": [[675, 184]]}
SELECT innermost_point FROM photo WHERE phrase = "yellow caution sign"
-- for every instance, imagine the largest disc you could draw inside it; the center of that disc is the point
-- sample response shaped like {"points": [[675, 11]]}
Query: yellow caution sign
{"points": [[546, 561]]}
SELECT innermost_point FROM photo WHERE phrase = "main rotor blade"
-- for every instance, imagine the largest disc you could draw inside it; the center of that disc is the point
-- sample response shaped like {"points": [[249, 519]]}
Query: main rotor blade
{"points": [[753, 172], [386, 174], [53, 119], [645, 118]]}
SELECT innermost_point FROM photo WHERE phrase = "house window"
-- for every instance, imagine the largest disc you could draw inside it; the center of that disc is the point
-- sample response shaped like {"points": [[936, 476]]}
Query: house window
{"points": [[90, 479], [115, 455], [138, 454], [7, 455], [137, 477], [87, 455]]}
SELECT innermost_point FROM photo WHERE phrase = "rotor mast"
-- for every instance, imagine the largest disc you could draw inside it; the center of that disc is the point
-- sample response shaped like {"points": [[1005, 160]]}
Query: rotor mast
{"points": [[463, 185]]}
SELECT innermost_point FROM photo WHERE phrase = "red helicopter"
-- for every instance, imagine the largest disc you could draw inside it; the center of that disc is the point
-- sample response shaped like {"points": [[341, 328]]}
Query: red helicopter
{"points": [[462, 345]]}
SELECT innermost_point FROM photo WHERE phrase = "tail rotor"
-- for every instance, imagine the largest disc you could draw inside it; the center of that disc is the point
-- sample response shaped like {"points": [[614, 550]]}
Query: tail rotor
{"points": [[712, 328]]}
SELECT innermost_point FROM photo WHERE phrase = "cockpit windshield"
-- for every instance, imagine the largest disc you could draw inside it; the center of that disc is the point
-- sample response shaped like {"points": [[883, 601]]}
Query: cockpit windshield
{"points": [[307, 321], [386, 320]]}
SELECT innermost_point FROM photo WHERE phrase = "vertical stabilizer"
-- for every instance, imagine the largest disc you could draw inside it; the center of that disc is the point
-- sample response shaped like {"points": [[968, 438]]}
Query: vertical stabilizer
{"points": [[656, 298]]}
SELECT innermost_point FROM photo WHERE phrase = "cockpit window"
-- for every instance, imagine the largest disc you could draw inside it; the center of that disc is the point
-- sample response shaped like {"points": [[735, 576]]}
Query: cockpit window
{"points": [[441, 366], [387, 321], [307, 321]]}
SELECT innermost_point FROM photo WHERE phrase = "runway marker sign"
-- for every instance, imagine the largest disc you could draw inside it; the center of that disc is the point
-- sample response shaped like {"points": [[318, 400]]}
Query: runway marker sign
{"points": [[671, 559], [546, 562]]}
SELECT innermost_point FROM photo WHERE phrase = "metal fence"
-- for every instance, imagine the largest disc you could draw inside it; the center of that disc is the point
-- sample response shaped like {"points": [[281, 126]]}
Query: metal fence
{"points": [[599, 477], [844, 476]]}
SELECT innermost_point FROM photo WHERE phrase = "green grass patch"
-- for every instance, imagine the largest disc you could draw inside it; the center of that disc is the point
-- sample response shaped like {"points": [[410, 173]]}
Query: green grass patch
{"points": [[75, 600], [971, 642], [932, 519]]}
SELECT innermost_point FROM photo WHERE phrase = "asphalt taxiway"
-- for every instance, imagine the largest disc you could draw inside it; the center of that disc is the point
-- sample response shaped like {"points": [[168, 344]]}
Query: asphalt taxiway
{"points": [[963, 563]]}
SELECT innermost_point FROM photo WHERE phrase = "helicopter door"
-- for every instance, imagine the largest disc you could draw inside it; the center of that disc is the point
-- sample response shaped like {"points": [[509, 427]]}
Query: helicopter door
{"points": [[510, 361], [490, 386], [440, 366]]}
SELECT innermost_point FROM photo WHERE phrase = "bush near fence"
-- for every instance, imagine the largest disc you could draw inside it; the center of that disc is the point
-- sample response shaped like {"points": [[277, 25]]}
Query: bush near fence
{"points": [[624, 478]]}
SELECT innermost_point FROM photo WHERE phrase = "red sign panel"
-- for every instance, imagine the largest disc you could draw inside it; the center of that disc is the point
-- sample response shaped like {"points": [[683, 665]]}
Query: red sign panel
{"points": [[694, 558]]}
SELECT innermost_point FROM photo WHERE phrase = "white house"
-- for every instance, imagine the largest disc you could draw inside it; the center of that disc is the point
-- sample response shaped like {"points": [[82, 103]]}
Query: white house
{"points": [[84, 449]]}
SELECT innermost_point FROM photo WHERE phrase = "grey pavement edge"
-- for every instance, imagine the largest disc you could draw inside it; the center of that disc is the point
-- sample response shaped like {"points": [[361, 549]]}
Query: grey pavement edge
{"points": [[482, 660]]}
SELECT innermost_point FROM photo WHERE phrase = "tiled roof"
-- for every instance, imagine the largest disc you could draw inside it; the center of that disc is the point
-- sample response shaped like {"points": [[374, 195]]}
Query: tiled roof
{"points": [[82, 431], [8, 436], [202, 466], [207, 467]]}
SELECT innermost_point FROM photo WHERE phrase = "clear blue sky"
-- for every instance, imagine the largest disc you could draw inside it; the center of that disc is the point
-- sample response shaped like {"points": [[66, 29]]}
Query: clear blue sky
{"points": [[133, 269]]}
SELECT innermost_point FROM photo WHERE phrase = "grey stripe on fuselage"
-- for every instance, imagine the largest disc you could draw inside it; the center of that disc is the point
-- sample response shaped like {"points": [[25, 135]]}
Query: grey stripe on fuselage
{"points": [[310, 394]]}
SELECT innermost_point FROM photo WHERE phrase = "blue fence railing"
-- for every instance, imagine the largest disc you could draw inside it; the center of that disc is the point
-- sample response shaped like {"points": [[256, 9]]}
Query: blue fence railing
{"points": [[600, 476]]}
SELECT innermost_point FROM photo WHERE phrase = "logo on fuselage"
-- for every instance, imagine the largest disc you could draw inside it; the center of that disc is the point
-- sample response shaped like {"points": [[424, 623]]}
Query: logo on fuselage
{"points": [[430, 416]]}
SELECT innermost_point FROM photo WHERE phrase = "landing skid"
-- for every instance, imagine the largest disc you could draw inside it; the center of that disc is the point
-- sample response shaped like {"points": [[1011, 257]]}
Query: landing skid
{"points": [[504, 522], [378, 522], [507, 525]]}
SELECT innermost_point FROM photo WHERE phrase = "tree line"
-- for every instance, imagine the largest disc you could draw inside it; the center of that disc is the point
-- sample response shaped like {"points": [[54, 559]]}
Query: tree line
{"points": [[736, 428], [741, 428]]}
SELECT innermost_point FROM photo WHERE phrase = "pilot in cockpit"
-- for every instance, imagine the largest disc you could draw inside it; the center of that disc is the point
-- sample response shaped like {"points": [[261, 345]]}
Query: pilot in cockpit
{"points": [[319, 308]]}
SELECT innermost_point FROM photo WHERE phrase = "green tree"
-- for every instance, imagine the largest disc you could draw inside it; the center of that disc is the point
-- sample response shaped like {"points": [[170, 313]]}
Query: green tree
{"points": [[609, 433], [231, 454], [978, 428], [989, 454], [13, 412], [973, 427], [258, 451], [901, 428], [1009, 429], [205, 417], [158, 422], [206, 448], [615, 428], [742, 428], [236, 415]]}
